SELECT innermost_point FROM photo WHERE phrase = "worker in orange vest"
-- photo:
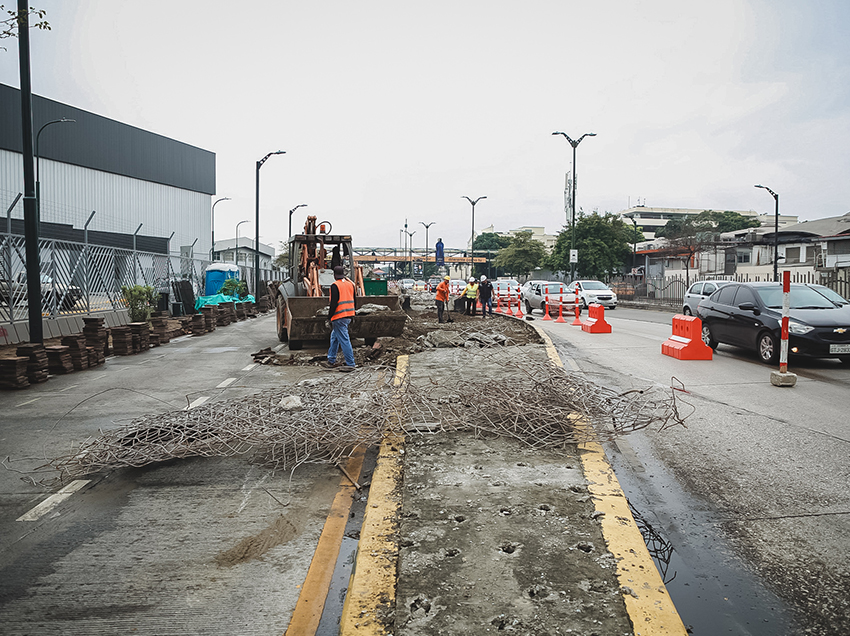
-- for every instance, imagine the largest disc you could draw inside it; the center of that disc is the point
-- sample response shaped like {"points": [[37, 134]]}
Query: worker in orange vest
{"points": [[442, 298], [341, 311]]}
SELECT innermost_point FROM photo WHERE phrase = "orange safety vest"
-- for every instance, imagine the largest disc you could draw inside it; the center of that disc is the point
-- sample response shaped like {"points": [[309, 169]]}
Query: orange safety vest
{"points": [[443, 291], [345, 306]]}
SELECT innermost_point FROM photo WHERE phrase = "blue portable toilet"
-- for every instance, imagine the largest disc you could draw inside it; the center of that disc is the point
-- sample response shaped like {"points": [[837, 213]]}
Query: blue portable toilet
{"points": [[216, 274]]}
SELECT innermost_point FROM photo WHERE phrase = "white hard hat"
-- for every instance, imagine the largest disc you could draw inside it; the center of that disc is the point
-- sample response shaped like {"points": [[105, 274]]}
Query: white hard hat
{"points": [[472, 280], [483, 278]]}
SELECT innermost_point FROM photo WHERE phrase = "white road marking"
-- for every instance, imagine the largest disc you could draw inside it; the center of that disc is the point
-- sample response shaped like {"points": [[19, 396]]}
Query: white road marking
{"points": [[28, 402], [53, 500], [68, 388], [279, 347], [226, 383], [197, 402], [249, 367]]}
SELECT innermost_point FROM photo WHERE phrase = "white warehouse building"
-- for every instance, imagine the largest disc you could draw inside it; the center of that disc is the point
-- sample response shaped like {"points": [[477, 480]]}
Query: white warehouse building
{"points": [[126, 175]]}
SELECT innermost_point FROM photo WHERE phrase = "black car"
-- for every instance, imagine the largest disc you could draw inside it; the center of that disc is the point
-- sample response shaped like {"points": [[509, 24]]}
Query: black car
{"points": [[750, 315]]}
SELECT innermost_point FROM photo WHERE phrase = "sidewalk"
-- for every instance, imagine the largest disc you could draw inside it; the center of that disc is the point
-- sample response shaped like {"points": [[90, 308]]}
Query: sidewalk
{"points": [[491, 535]]}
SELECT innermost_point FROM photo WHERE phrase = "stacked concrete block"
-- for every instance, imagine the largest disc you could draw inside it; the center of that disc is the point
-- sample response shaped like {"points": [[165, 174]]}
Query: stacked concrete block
{"points": [[209, 312], [59, 360], [141, 336], [122, 341], [78, 350]]}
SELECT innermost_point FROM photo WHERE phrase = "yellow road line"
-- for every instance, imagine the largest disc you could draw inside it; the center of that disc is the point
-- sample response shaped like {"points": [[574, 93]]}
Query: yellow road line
{"points": [[648, 603], [308, 610], [373, 581]]}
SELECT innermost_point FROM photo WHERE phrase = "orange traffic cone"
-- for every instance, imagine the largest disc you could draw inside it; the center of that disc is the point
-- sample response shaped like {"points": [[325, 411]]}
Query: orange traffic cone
{"points": [[546, 308]]}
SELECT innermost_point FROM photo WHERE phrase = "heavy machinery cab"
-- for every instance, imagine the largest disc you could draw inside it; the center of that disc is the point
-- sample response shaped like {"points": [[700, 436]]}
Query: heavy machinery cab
{"points": [[313, 256]]}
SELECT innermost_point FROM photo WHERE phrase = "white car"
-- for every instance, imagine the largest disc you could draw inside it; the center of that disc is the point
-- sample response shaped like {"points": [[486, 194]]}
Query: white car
{"points": [[555, 295], [593, 291], [697, 292], [406, 284]]}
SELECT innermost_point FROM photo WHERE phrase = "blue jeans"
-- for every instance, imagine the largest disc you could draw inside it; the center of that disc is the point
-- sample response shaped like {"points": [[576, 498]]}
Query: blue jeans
{"points": [[485, 305], [340, 340]]}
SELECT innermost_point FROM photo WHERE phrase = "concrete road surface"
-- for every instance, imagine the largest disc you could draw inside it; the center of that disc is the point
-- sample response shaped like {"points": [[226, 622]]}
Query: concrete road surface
{"points": [[753, 497], [198, 546]]}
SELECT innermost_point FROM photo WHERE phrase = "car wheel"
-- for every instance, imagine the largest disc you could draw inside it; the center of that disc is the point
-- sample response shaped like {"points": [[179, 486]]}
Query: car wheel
{"points": [[528, 308], [584, 304], [767, 348], [282, 331], [68, 303], [296, 345], [707, 338], [687, 311]]}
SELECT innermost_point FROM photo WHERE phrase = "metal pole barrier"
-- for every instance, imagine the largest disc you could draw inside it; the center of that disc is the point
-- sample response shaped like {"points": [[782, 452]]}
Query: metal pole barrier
{"points": [[86, 258], [782, 377]]}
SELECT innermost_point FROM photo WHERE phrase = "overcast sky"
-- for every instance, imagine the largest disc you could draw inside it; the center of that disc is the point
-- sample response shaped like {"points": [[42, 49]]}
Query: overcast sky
{"points": [[390, 110]]}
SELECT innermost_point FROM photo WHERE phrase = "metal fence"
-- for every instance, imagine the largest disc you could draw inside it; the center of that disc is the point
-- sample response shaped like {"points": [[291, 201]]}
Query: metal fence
{"points": [[81, 278], [670, 290]]}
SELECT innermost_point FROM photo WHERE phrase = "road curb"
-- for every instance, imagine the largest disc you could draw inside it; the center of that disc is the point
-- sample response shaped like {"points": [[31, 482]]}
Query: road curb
{"points": [[371, 591], [647, 601]]}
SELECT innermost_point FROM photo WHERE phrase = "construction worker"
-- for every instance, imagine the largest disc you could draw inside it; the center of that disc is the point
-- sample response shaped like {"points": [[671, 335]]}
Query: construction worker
{"points": [[485, 296], [470, 293], [340, 312], [442, 298]]}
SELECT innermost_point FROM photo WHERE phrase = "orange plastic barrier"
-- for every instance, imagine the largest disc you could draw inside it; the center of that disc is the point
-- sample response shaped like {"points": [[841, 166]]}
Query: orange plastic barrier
{"points": [[686, 342], [595, 321]]}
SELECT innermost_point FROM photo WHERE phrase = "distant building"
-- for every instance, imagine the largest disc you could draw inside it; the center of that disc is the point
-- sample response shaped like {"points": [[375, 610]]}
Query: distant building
{"points": [[227, 250], [650, 219], [538, 233], [127, 175]]}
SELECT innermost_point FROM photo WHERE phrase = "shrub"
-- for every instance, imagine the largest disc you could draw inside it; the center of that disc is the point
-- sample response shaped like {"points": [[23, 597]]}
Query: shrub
{"points": [[140, 300], [234, 287]]}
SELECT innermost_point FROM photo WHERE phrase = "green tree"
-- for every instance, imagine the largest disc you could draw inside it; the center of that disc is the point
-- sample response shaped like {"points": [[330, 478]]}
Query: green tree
{"points": [[604, 243], [488, 245], [521, 255], [9, 25], [726, 221]]}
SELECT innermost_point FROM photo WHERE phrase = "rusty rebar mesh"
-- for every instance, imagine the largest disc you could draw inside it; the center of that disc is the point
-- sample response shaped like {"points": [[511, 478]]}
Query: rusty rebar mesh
{"points": [[323, 419]]}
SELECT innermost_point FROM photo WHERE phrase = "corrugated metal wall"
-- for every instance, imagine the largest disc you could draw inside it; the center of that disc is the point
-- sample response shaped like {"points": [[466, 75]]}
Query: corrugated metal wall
{"points": [[69, 193]]}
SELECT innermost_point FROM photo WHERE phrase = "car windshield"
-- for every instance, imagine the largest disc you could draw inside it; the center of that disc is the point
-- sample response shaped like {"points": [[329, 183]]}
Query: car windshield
{"points": [[834, 296], [555, 288], [801, 298], [505, 284], [594, 284]]}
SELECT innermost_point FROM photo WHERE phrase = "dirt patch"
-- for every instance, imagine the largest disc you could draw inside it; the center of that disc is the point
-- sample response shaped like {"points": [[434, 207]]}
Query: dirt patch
{"points": [[256, 546]]}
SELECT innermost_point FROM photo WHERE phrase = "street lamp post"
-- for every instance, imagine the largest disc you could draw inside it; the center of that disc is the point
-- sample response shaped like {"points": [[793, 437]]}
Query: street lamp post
{"points": [[236, 249], [425, 262], [410, 249], [212, 227], [634, 245], [257, 228], [574, 144], [775, 234], [301, 205], [472, 242], [37, 162]]}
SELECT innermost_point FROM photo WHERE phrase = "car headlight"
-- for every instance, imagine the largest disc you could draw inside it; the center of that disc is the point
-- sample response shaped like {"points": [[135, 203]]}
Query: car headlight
{"points": [[798, 328]]}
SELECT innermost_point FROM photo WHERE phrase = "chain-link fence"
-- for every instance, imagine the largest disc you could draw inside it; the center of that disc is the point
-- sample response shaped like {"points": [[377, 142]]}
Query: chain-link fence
{"points": [[80, 278]]}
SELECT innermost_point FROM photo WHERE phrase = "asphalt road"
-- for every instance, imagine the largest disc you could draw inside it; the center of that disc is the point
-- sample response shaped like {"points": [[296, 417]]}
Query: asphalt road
{"points": [[750, 503], [205, 546]]}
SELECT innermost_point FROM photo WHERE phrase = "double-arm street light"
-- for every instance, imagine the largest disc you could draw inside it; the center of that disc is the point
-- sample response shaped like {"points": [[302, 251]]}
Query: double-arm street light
{"points": [[410, 248], [574, 144], [257, 228], [212, 234], [425, 262], [775, 234], [37, 182], [472, 243], [300, 205]]}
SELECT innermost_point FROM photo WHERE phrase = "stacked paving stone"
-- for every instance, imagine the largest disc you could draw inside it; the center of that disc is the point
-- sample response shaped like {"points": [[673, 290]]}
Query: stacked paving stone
{"points": [[37, 365], [59, 360], [210, 313], [160, 329], [224, 316], [240, 311], [198, 325], [263, 304], [96, 334], [96, 356], [141, 336], [77, 350], [251, 309], [122, 341], [13, 373]]}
